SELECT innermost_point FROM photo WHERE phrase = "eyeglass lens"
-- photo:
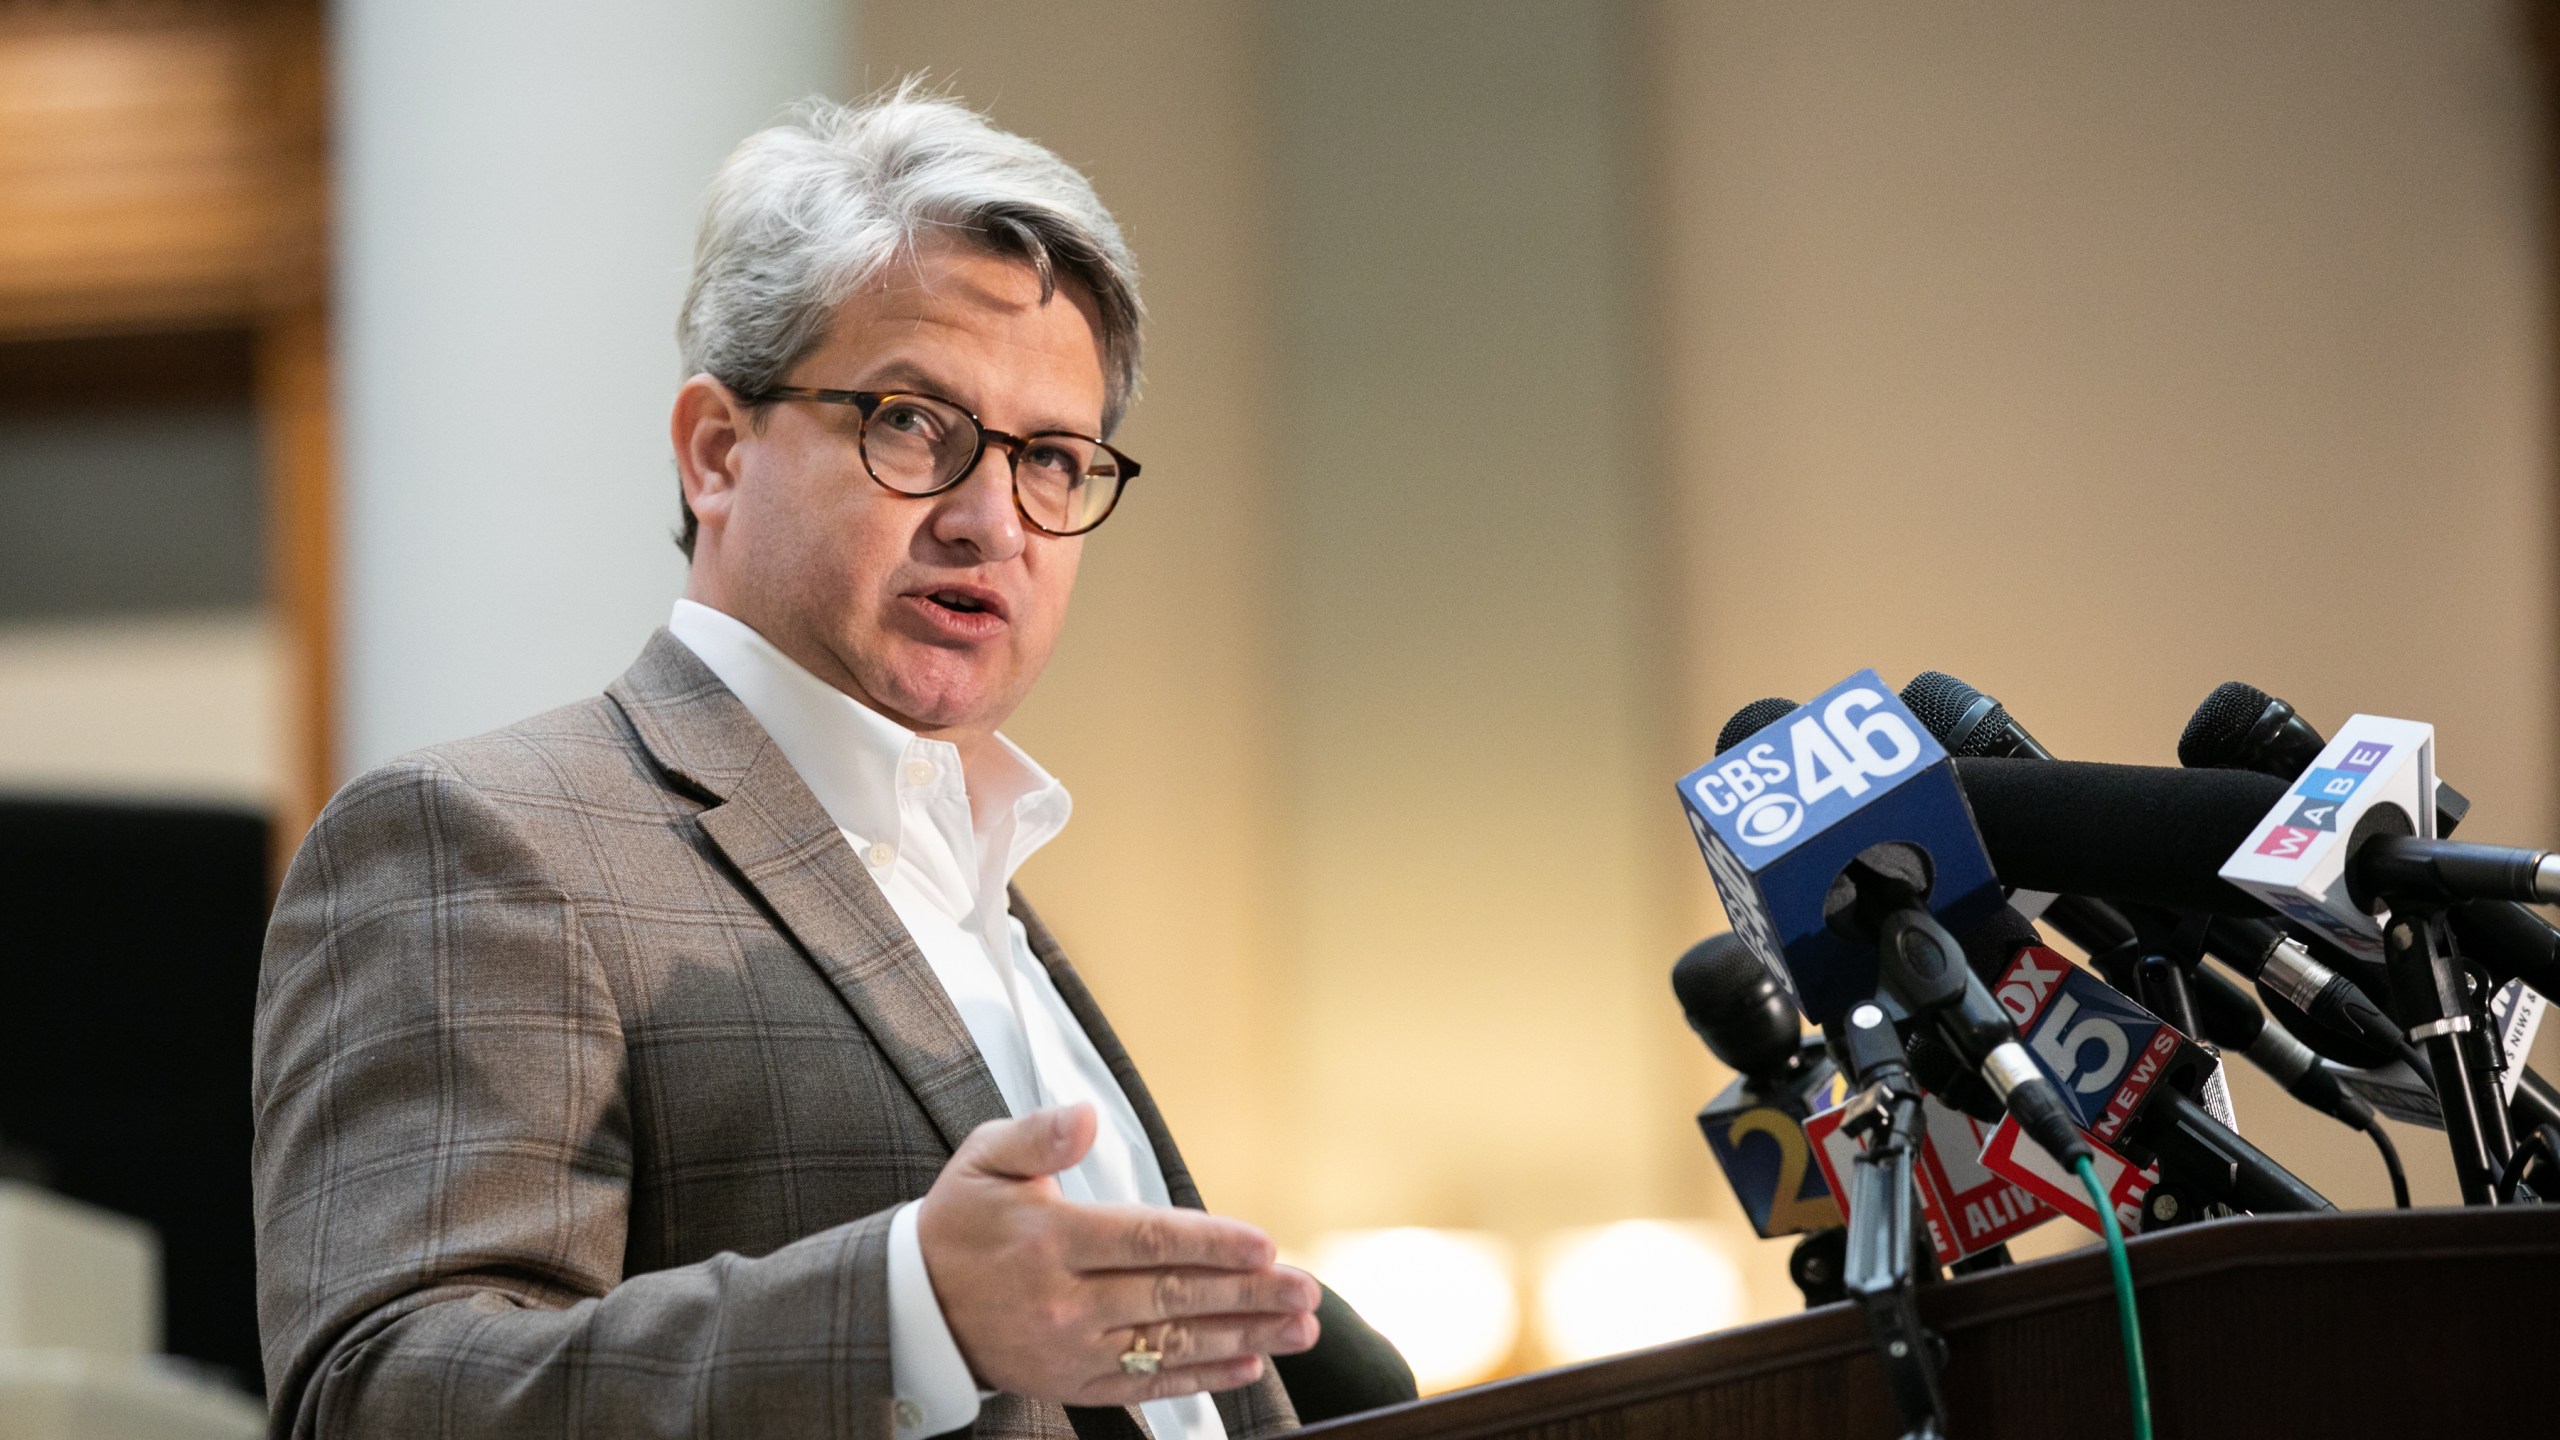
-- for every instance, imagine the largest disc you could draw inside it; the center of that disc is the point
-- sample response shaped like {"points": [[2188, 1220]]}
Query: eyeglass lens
{"points": [[917, 444]]}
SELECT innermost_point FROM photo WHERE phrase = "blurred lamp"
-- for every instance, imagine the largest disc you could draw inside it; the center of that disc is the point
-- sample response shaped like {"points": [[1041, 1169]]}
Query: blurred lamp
{"points": [[1614, 1288], [1444, 1297]]}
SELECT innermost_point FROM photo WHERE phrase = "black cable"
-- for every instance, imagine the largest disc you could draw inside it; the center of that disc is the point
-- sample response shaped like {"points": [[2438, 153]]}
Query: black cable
{"points": [[2543, 1143], [2391, 1162], [2379, 1029]]}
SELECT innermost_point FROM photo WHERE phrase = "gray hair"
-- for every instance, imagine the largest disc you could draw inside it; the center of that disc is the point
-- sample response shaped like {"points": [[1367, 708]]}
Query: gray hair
{"points": [[805, 213]]}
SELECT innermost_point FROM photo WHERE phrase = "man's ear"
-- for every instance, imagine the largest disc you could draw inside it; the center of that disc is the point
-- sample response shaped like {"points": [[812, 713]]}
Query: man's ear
{"points": [[707, 425]]}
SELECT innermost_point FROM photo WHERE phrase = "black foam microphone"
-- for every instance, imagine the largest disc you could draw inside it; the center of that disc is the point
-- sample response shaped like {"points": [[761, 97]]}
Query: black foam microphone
{"points": [[2157, 836], [2137, 800], [1737, 1007], [1751, 719], [2114, 831], [2143, 833]]}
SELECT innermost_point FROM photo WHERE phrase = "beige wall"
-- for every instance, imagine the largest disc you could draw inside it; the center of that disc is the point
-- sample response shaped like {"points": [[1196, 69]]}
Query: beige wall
{"points": [[1482, 1020], [2096, 357]]}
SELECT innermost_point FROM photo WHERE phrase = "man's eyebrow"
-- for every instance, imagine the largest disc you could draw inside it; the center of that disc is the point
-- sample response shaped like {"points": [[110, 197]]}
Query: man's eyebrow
{"points": [[906, 374]]}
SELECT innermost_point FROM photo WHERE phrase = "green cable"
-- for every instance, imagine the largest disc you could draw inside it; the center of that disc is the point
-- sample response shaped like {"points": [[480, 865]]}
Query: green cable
{"points": [[2135, 1375]]}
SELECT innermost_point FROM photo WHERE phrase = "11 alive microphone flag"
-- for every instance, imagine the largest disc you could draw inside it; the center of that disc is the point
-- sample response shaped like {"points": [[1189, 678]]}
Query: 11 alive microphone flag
{"points": [[1966, 1206], [1781, 813]]}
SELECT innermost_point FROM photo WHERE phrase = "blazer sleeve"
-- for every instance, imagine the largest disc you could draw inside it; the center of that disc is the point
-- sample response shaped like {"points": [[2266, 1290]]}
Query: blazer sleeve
{"points": [[443, 1168]]}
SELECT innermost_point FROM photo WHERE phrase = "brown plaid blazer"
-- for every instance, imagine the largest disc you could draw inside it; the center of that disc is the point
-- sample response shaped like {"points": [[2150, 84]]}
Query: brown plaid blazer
{"points": [[590, 1066]]}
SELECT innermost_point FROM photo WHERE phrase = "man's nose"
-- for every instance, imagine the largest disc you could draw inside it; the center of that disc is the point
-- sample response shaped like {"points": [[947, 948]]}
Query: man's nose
{"points": [[979, 513]]}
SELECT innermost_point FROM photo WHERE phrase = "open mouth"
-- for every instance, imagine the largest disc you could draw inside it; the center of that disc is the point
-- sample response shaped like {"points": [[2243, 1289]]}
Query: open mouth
{"points": [[978, 606]]}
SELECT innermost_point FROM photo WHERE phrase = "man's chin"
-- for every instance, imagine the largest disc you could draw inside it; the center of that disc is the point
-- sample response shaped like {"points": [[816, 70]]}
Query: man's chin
{"points": [[939, 700]]}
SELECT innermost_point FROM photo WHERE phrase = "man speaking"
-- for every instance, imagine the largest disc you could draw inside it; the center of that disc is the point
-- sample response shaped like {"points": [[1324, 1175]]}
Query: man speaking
{"points": [[682, 1061]]}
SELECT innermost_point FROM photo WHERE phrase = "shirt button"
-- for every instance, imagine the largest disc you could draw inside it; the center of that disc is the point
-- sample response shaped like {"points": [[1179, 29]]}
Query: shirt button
{"points": [[910, 1415], [882, 853], [919, 772]]}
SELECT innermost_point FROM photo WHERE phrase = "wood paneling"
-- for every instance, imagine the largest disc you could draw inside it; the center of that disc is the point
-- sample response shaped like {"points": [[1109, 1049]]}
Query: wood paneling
{"points": [[95, 372], [295, 414], [163, 194], [159, 165]]}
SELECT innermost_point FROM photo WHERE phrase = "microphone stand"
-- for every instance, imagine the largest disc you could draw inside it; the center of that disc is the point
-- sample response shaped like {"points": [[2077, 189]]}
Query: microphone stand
{"points": [[2436, 996], [1881, 1271], [2440, 1000], [2165, 977]]}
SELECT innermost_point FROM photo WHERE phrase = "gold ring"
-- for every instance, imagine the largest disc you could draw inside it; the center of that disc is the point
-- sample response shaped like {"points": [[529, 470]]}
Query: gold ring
{"points": [[1138, 1359]]}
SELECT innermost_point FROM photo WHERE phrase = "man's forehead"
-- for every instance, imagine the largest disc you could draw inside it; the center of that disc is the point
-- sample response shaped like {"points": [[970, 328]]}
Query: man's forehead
{"points": [[906, 373], [952, 274], [952, 323]]}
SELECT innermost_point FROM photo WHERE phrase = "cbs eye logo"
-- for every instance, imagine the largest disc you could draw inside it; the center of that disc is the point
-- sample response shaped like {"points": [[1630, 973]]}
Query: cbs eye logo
{"points": [[1771, 819]]}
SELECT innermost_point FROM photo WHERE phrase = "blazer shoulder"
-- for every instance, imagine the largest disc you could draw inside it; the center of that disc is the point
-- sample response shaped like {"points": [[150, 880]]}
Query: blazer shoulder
{"points": [[585, 751], [546, 796]]}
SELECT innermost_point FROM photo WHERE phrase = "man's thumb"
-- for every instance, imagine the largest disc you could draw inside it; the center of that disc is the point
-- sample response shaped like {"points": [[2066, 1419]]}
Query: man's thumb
{"points": [[1031, 1146]]}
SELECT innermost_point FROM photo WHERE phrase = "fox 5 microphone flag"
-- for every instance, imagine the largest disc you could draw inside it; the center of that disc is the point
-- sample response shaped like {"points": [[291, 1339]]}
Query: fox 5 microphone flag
{"points": [[1781, 813]]}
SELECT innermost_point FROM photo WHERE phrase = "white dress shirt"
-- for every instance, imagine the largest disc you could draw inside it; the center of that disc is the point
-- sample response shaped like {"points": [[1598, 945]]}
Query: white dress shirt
{"points": [[904, 806]]}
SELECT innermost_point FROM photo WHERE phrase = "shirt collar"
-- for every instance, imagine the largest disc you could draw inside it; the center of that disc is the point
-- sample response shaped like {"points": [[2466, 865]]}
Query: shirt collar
{"points": [[853, 758]]}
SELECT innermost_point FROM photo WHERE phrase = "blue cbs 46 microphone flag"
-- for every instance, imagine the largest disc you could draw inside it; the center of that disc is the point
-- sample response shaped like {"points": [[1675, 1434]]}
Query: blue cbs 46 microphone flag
{"points": [[1784, 811]]}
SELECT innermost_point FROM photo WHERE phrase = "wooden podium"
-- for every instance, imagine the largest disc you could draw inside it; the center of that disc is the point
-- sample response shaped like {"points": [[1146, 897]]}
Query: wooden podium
{"points": [[2425, 1323]]}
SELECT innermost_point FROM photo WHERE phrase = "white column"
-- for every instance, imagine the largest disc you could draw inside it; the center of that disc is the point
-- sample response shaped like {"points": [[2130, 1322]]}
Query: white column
{"points": [[517, 186]]}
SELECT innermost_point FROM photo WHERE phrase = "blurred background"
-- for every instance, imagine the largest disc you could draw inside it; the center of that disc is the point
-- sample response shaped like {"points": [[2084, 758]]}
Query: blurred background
{"points": [[1531, 383]]}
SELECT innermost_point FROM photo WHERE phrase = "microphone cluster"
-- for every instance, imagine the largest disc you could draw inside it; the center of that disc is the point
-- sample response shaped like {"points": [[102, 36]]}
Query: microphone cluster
{"points": [[2287, 897]]}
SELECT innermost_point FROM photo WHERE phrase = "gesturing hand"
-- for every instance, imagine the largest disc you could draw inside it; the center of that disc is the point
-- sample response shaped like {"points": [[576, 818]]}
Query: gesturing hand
{"points": [[1043, 1295]]}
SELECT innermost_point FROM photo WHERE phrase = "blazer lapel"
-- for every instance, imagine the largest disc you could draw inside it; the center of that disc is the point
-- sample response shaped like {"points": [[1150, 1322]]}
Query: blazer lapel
{"points": [[1263, 1407], [768, 825], [1088, 1013]]}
